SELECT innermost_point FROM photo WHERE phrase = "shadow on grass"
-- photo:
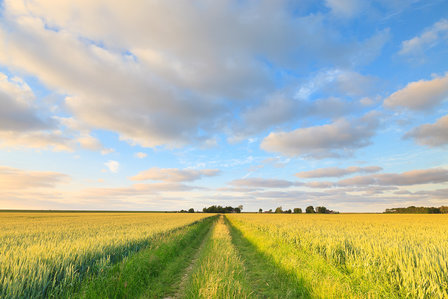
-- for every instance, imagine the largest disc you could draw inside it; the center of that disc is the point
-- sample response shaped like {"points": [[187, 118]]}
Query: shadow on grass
{"points": [[268, 279], [152, 272]]}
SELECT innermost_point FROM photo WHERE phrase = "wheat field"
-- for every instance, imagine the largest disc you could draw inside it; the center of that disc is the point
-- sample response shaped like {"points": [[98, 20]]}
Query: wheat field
{"points": [[40, 252], [248, 255], [356, 255]]}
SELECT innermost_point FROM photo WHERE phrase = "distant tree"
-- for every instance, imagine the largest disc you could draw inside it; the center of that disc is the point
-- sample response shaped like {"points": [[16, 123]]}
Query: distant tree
{"points": [[270, 210], [288, 211], [279, 210], [443, 209], [310, 210], [322, 210], [417, 210], [297, 210], [183, 211], [260, 210], [220, 209], [240, 207], [191, 210]]}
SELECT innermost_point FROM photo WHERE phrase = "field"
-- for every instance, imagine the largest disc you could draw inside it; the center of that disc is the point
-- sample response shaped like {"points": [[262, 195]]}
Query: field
{"points": [[155, 255]]}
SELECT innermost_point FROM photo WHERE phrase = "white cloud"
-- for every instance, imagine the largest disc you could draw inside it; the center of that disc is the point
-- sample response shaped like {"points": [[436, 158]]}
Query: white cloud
{"points": [[285, 107], [430, 38], [336, 171], [113, 166], [53, 140], [413, 177], [344, 8], [432, 135], [337, 139], [17, 112], [140, 155], [176, 83], [262, 183], [420, 95], [83, 136], [174, 174], [134, 190], [18, 179], [20, 123]]}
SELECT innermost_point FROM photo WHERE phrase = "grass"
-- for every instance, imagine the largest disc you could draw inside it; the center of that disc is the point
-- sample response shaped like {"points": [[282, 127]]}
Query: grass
{"points": [[266, 278], [123, 255], [44, 254], [219, 272], [378, 256], [152, 272]]}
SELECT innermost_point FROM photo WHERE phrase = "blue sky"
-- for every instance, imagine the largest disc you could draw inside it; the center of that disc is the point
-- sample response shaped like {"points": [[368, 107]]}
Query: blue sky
{"points": [[167, 105]]}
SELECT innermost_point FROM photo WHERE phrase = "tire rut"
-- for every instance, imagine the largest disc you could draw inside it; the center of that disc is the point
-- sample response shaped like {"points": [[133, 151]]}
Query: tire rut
{"points": [[188, 271]]}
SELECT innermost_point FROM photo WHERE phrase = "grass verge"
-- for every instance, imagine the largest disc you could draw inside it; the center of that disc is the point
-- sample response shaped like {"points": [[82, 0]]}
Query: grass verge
{"points": [[311, 273], [152, 272], [220, 272], [266, 278]]}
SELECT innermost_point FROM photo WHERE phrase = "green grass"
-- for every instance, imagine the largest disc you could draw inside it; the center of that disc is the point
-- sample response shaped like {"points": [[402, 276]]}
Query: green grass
{"points": [[237, 256], [267, 279], [152, 272], [219, 272], [297, 271]]}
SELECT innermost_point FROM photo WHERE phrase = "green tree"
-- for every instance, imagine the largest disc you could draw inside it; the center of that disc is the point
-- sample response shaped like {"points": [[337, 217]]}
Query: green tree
{"points": [[321, 210], [260, 210], [310, 210], [279, 210], [297, 210], [191, 210]]}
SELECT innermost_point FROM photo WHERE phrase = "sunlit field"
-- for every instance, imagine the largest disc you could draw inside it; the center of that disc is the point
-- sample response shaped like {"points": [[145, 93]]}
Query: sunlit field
{"points": [[199, 255], [43, 254], [356, 255]]}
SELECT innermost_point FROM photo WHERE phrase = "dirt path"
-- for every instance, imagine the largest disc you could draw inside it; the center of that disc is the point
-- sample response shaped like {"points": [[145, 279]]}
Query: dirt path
{"points": [[188, 271]]}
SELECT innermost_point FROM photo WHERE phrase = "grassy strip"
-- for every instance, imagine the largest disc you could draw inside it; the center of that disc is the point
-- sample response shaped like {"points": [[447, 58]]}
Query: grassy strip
{"points": [[151, 272], [317, 277], [220, 272], [267, 279]]}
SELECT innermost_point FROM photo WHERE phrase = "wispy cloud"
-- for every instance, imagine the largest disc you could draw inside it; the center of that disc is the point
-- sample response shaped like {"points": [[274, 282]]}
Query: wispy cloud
{"points": [[420, 95], [140, 155], [432, 135], [174, 175], [430, 38], [336, 171], [337, 139], [113, 166]]}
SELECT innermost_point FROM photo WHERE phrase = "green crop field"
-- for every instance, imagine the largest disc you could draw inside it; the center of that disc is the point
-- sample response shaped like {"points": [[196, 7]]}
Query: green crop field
{"points": [[168, 255]]}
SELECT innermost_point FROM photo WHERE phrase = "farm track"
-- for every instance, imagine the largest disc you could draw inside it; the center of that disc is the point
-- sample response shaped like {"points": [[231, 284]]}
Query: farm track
{"points": [[230, 266], [188, 271], [151, 273], [245, 256], [220, 272]]}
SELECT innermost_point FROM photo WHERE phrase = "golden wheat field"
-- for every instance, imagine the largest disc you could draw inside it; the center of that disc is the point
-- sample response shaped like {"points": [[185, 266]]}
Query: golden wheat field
{"points": [[40, 251], [160, 255], [356, 255]]}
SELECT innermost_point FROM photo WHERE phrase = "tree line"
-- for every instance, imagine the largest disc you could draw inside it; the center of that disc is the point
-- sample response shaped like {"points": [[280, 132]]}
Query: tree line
{"points": [[418, 210], [217, 209], [308, 210], [278, 210]]}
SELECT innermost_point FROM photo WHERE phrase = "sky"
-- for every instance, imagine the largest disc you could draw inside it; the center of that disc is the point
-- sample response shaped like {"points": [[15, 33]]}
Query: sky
{"points": [[169, 105]]}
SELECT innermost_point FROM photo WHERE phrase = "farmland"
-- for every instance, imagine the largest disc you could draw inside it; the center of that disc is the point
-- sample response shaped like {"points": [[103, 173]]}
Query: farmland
{"points": [[155, 255], [43, 254]]}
